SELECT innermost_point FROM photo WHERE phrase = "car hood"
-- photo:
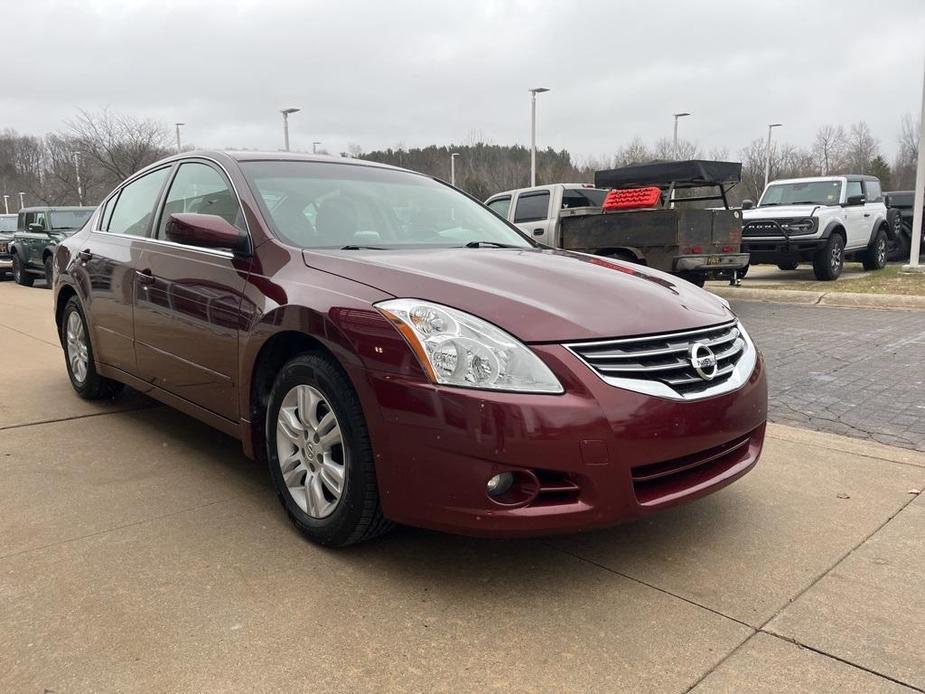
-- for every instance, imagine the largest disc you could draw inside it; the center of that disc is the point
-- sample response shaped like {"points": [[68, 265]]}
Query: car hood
{"points": [[536, 295], [779, 212], [6, 235]]}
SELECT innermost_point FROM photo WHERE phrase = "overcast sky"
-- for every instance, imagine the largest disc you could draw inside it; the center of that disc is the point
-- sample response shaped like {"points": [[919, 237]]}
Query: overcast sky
{"points": [[382, 73]]}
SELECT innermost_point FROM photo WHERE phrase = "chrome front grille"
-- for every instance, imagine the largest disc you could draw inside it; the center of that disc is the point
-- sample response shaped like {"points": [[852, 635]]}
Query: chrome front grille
{"points": [[663, 364]]}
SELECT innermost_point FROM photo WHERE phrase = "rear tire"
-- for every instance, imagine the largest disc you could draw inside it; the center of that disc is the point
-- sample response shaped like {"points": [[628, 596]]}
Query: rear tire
{"points": [[874, 258], [78, 356], [789, 265], [698, 279], [321, 459], [49, 271], [830, 259], [19, 273], [901, 246]]}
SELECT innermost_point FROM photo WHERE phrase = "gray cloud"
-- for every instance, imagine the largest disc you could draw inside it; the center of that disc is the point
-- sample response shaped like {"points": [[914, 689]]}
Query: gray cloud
{"points": [[378, 74]]}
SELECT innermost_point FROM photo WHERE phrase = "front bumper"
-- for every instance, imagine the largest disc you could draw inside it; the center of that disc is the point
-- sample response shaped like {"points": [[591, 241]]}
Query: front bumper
{"points": [[774, 249], [6, 262], [601, 454], [710, 262]]}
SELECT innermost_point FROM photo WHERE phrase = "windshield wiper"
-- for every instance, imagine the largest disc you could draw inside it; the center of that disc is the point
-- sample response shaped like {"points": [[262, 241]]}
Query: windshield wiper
{"points": [[806, 202], [351, 247], [488, 244]]}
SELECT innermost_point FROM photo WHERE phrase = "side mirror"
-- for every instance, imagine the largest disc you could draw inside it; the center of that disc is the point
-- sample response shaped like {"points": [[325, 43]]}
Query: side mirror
{"points": [[206, 231], [36, 226], [855, 200], [747, 204]]}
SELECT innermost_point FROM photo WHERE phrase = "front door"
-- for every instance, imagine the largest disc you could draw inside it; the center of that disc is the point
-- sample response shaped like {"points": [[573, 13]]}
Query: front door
{"points": [[32, 238], [531, 215], [188, 299], [857, 218]]}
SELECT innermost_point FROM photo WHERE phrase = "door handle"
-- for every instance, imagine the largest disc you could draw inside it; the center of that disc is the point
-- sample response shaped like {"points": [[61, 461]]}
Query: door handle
{"points": [[867, 214], [85, 255], [144, 277], [538, 232]]}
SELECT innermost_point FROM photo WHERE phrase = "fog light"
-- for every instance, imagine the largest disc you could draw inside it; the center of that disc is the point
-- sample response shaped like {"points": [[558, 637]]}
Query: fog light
{"points": [[500, 484]]}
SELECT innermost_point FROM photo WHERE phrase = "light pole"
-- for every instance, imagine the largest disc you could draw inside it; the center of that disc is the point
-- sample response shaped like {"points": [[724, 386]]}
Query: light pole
{"points": [[915, 247], [22, 197], [767, 153], [6, 204], [315, 146], [533, 93], [80, 188], [677, 116], [453, 156], [179, 146], [286, 112]]}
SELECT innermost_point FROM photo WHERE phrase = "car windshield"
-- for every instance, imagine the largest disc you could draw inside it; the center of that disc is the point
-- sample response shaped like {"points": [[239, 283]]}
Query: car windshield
{"points": [[70, 219], [331, 205], [8, 223], [808, 193]]}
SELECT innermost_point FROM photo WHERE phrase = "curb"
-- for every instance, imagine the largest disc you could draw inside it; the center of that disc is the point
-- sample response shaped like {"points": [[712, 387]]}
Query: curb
{"points": [[839, 299]]}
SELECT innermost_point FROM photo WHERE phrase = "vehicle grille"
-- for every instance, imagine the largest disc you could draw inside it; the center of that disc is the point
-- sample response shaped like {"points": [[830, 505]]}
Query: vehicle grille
{"points": [[665, 359], [763, 229]]}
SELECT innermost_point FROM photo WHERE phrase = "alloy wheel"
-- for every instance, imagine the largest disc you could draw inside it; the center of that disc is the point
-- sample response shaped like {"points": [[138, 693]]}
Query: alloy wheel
{"points": [[78, 354], [881, 251], [836, 259], [311, 451]]}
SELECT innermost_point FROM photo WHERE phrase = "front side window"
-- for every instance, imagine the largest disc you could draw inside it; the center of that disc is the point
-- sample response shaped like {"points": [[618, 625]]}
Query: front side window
{"points": [[854, 189], [134, 208], [327, 205], [501, 206], [532, 207], [200, 189], [807, 193]]}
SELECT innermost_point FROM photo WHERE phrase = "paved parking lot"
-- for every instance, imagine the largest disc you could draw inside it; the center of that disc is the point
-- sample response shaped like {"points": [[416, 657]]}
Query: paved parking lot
{"points": [[140, 551]]}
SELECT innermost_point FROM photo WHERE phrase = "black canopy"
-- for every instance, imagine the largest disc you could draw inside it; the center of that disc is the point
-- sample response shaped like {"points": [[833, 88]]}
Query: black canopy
{"points": [[683, 174]]}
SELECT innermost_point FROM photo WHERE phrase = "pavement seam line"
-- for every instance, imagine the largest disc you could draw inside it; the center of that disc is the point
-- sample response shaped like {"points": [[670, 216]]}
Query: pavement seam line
{"points": [[79, 416], [825, 654], [721, 661], [24, 334]]}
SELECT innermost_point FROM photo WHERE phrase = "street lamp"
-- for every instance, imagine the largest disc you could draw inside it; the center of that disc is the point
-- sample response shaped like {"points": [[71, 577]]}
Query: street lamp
{"points": [[286, 112], [179, 147], [80, 189], [767, 153], [453, 156], [6, 204], [22, 197], [677, 154], [533, 93], [315, 146]]}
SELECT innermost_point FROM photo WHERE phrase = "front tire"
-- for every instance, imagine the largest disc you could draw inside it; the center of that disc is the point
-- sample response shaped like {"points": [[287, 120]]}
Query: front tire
{"points": [[830, 259], [49, 271], [19, 273], [788, 265], [78, 356], [320, 456], [874, 258]]}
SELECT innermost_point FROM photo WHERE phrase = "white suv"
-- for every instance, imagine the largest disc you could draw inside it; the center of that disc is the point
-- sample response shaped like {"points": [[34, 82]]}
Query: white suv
{"points": [[824, 220]]}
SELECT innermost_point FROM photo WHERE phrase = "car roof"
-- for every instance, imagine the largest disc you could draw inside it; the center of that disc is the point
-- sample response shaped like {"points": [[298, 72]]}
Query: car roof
{"points": [[55, 208], [248, 155], [835, 177], [548, 186]]}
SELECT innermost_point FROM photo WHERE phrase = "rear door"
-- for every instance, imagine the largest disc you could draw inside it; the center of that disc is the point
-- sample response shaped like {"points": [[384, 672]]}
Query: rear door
{"points": [[107, 264], [188, 299], [531, 214]]}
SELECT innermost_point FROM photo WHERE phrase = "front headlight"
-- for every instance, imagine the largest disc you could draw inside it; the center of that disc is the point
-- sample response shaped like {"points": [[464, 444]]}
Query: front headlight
{"points": [[458, 349], [799, 226]]}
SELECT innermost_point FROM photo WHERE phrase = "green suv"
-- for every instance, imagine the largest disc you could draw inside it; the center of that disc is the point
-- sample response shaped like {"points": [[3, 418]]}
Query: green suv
{"points": [[38, 231]]}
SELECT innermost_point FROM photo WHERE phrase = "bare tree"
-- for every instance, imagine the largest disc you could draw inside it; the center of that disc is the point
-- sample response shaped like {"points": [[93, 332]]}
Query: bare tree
{"points": [[908, 154], [862, 148], [829, 148]]}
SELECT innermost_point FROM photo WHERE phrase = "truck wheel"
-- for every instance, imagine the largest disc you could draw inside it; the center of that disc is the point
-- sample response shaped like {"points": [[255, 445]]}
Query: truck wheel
{"points": [[19, 273], [874, 258], [696, 278], [901, 245], [49, 271], [743, 271], [789, 265], [830, 259]]}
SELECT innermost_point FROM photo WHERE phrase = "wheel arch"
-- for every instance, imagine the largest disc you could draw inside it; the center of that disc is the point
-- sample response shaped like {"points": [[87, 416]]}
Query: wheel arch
{"points": [[612, 251], [64, 295]]}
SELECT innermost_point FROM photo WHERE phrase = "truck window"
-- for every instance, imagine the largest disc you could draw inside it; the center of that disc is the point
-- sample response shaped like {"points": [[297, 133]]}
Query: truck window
{"points": [[500, 205], [872, 191], [583, 197], [854, 188], [532, 207]]}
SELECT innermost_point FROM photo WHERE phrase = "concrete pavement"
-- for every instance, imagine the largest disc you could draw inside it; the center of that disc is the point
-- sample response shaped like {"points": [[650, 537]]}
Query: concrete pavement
{"points": [[140, 551]]}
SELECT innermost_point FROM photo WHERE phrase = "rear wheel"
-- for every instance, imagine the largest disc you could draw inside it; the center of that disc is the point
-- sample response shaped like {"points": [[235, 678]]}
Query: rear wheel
{"points": [[78, 354], [830, 259], [319, 454], [19, 272], [791, 264], [696, 278], [49, 270], [874, 258]]}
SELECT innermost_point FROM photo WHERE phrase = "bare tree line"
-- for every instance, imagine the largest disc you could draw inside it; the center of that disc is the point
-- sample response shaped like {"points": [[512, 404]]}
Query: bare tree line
{"points": [[107, 147]]}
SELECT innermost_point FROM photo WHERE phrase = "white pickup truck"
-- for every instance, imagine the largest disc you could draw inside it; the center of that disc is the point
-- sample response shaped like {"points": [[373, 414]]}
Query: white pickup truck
{"points": [[824, 220]]}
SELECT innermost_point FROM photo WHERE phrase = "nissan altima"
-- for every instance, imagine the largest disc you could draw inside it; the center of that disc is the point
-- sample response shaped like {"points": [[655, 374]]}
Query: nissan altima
{"points": [[393, 351]]}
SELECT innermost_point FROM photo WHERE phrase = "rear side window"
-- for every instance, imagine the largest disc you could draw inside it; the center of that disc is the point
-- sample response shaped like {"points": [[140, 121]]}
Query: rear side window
{"points": [[501, 206], [583, 197], [872, 191], [134, 208], [200, 189], [532, 207]]}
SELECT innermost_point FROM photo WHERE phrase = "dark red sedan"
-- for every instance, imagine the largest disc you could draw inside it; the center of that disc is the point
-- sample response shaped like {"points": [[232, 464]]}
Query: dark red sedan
{"points": [[397, 352]]}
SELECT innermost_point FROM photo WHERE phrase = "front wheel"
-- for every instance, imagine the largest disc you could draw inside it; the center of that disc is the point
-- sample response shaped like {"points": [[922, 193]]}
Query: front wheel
{"points": [[830, 259], [19, 272], [78, 354], [319, 453], [788, 264], [49, 271], [874, 258]]}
